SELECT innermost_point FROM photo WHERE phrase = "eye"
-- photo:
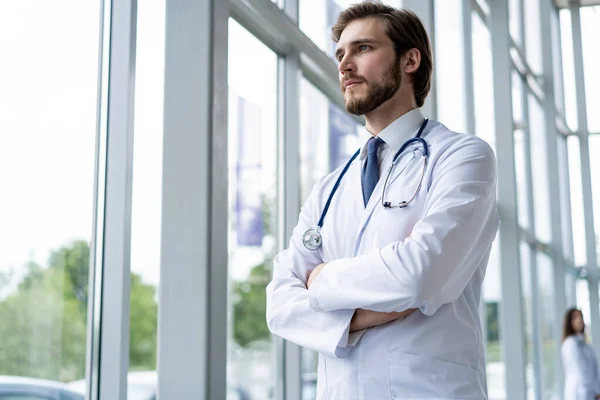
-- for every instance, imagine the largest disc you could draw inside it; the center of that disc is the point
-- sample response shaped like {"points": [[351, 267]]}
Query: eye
{"points": [[363, 47], [340, 57]]}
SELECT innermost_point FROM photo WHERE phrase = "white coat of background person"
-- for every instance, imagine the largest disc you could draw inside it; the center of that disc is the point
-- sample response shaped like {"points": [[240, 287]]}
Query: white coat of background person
{"points": [[390, 299], [582, 381]]}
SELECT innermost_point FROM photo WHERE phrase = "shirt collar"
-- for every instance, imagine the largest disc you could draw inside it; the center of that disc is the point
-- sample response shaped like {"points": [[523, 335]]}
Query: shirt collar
{"points": [[396, 133]]}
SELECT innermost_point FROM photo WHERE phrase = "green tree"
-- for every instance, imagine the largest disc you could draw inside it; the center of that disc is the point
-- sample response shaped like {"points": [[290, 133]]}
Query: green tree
{"points": [[250, 306], [43, 329]]}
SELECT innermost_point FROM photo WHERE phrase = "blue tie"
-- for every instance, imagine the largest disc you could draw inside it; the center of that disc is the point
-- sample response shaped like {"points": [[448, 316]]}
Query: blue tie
{"points": [[370, 173]]}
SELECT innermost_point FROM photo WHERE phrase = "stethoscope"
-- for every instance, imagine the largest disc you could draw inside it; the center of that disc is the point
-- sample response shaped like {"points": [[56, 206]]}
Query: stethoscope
{"points": [[312, 238]]}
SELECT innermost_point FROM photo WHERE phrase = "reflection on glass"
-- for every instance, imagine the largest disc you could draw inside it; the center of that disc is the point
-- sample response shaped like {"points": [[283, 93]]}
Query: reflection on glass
{"points": [[527, 299], [539, 166], [577, 217], [594, 142], [47, 154], [252, 142], [590, 31], [548, 326], [328, 138], [146, 200]]}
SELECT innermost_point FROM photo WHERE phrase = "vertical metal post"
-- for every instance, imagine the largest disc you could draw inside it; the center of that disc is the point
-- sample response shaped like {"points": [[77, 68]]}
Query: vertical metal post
{"points": [[553, 180], [108, 359], [289, 194], [586, 180], [192, 324], [512, 308], [468, 64]]}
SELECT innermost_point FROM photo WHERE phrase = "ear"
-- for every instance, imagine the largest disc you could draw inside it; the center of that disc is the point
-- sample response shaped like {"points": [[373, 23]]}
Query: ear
{"points": [[411, 61]]}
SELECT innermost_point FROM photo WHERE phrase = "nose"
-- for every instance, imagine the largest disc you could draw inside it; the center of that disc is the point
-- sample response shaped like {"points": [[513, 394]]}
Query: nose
{"points": [[346, 65]]}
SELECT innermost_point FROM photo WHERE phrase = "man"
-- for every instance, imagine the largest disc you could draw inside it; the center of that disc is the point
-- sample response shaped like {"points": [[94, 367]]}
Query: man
{"points": [[388, 294]]}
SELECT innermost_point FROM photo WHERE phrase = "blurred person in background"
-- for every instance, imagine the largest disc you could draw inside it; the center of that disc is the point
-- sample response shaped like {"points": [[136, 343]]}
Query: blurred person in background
{"points": [[579, 360]]}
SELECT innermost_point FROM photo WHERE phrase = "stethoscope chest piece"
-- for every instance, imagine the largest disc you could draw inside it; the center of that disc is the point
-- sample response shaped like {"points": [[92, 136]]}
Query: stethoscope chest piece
{"points": [[312, 239]]}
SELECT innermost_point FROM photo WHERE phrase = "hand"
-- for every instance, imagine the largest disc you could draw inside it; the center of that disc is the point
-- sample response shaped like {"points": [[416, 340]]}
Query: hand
{"points": [[315, 272], [367, 319]]}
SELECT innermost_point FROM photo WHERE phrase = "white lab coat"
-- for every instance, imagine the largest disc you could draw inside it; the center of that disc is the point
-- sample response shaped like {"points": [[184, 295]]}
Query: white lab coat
{"points": [[431, 255], [581, 369]]}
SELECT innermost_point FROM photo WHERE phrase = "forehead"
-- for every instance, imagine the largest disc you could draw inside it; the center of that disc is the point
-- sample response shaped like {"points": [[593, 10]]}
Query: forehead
{"points": [[364, 28]]}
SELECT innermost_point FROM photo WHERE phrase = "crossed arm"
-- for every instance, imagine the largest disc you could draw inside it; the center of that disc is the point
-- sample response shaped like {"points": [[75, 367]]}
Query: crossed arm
{"points": [[429, 269], [363, 319]]}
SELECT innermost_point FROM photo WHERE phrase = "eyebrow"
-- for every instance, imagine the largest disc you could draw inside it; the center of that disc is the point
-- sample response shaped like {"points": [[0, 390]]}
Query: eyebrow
{"points": [[356, 42]]}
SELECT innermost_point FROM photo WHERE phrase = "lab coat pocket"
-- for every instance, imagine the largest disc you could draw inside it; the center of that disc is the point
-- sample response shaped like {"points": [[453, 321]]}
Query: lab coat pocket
{"points": [[416, 377]]}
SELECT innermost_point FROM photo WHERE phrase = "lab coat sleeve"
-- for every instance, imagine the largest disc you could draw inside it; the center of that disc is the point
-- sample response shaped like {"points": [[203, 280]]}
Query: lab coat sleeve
{"points": [[435, 263], [574, 362], [289, 314]]}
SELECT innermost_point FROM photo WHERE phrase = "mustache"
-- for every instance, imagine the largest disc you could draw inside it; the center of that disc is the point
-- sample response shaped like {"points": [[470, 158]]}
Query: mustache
{"points": [[344, 81]]}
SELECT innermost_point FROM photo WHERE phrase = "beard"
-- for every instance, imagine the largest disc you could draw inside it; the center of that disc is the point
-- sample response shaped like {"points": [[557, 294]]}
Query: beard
{"points": [[377, 93]]}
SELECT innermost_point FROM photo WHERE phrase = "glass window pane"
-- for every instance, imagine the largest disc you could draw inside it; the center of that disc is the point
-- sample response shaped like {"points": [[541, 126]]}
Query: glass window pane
{"points": [[528, 318], [252, 145], [316, 17], [146, 199], [492, 299], [557, 56], [523, 189], [47, 155], [533, 35], [548, 326], [449, 52], [564, 187], [577, 218], [482, 74], [328, 138], [515, 15], [583, 303], [594, 142], [568, 70], [539, 166], [517, 97], [590, 32]]}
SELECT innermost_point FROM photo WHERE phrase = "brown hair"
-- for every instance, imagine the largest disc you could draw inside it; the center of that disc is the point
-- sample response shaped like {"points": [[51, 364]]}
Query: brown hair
{"points": [[404, 29], [568, 324]]}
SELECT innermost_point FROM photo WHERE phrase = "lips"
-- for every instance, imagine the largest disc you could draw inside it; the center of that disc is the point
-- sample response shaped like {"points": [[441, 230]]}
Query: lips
{"points": [[351, 83]]}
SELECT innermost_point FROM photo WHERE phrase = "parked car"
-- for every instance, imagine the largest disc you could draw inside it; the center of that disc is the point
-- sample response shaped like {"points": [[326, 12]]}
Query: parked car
{"points": [[142, 385], [18, 387]]}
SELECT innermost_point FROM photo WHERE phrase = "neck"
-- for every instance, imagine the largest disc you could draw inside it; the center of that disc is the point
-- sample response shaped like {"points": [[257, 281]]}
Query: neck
{"points": [[378, 119]]}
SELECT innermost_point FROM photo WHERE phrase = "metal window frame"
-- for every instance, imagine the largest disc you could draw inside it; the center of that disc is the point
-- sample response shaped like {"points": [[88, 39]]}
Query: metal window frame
{"points": [[553, 181], [289, 190], [110, 283], [192, 322], [511, 312], [588, 210]]}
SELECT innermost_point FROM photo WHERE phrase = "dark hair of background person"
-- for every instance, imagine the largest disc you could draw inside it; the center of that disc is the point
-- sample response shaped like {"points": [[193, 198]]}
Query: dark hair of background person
{"points": [[568, 324]]}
